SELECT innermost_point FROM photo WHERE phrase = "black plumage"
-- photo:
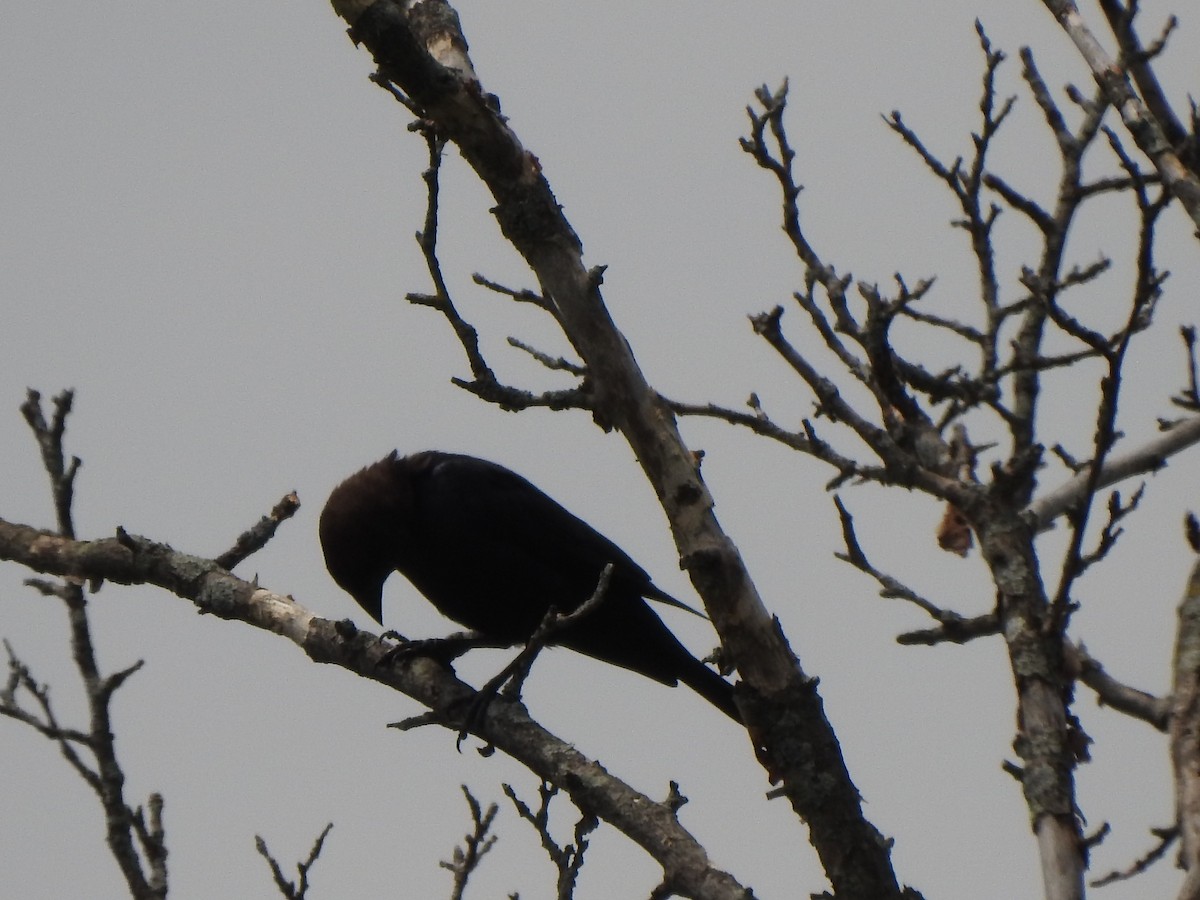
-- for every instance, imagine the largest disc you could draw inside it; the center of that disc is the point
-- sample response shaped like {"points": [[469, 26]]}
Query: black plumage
{"points": [[493, 553]]}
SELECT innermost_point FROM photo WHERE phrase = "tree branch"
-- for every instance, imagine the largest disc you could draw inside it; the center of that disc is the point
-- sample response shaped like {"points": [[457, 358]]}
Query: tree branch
{"points": [[289, 889], [412, 46], [466, 858], [127, 559], [145, 873], [1150, 457], [1146, 130], [1185, 728]]}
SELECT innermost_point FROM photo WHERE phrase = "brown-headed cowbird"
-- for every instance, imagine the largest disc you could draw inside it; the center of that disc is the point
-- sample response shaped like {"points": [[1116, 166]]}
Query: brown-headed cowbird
{"points": [[493, 553]]}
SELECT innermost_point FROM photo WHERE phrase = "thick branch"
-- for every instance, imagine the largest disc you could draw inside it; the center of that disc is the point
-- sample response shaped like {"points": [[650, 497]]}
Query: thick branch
{"points": [[1185, 729], [133, 560], [1046, 736], [784, 715]]}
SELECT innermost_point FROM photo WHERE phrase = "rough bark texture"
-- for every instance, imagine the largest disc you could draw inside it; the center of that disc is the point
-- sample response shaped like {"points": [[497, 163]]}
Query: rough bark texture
{"points": [[133, 560], [1185, 731], [1043, 733], [790, 734]]}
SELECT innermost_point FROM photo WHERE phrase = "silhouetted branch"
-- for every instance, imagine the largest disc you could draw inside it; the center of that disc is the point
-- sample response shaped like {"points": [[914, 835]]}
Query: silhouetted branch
{"points": [[979, 216], [556, 364], [761, 424], [20, 680], [522, 295], [290, 889], [49, 437], [483, 383], [1075, 562], [890, 587], [954, 630], [128, 559], [255, 538], [427, 239], [1166, 837], [1189, 397], [1111, 530], [567, 859], [512, 399], [1141, 123], [476, 843], [1138, 58], [144, 873], [1020, 202]]}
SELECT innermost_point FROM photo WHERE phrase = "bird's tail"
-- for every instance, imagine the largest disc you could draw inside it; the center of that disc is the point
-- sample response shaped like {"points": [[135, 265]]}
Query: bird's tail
{"points": [[711, 686]]}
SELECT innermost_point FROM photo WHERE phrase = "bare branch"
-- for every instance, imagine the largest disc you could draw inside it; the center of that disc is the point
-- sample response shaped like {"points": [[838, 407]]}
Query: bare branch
{"points": [[427, 239], [1166, 837], [1138, 59], [128, 559], [512, 398], [1041, 94], [1074, 564], [761, 424], [49, 436], [1150, 457], [890, 587], [106, 777], [567, 859], [20, 679], [476, 843], [558, 364], [1141, 123], [256, 537], [953, 631], [289, 889], [1110, 692], [523, 295], [1184, 721]]}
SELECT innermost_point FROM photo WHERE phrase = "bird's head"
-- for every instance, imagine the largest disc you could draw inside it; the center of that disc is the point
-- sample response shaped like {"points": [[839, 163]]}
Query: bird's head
{"points": [[364, 528]]}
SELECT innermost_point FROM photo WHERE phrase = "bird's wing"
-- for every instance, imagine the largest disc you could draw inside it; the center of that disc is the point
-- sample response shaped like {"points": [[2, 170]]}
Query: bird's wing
{"points": [[487, 502]]}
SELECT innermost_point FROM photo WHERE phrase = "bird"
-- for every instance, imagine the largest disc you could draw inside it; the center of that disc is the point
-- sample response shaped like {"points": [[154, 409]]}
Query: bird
{"points": [[493, 553]]}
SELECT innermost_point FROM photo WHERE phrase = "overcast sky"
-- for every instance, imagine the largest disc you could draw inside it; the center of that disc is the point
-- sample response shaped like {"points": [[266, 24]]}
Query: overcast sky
{"points": [[207, 231]]}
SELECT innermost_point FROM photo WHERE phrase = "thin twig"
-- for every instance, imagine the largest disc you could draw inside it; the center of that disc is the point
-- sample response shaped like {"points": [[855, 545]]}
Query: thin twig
{"points": [[289, 889], [476, 843], [568, 858], [256, 537], [1166, 837], [144, 873]]}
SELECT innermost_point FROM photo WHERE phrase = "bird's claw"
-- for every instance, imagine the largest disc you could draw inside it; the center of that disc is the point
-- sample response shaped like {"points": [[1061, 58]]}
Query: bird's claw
{"points": [[441, 650], [474, 716]]}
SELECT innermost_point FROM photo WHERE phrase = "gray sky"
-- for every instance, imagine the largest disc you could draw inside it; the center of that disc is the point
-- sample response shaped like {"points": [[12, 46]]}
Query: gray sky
{"points": [[207, 230]]}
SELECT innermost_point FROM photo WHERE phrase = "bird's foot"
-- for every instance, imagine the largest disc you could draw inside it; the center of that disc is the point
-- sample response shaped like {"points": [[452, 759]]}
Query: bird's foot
{"points": [[441, 650], [475, 713]]}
